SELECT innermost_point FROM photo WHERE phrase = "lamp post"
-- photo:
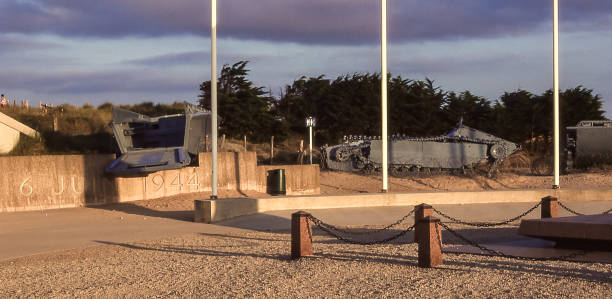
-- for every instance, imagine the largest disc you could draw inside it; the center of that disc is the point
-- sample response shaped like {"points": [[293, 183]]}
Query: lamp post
{"points": [[310, 122]]}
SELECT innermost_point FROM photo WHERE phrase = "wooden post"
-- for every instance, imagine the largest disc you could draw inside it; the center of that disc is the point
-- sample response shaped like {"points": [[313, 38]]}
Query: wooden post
{"points": [[40, 105], [271, 148], [549, 207], [421, 211], [206, 143], [430, 242], [223, 142], [27, 106], [55, 123], [301, 153], [301, 235], [245, 145]]}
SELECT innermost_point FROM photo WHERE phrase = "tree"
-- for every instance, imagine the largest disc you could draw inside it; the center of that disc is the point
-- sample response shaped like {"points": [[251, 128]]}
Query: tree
{"points": [[243, 109], [474, 110], [580, 104], [517, 115], [416, 107]]}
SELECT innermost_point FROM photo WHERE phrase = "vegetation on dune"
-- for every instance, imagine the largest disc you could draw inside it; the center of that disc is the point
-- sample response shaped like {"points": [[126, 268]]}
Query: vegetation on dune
{"points": [[68, 129]]}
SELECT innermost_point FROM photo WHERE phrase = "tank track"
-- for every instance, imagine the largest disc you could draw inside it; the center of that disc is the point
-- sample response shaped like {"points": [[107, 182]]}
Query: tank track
{"points": [[351, 138], [398, 169]]}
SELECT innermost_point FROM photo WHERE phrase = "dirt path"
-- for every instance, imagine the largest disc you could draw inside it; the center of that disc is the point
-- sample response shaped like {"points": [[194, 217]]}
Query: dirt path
{"points": [[333, 182]]}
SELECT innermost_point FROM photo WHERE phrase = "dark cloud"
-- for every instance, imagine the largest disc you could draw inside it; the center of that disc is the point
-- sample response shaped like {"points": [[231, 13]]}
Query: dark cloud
{"points": [[313, 21], [96, 82]]}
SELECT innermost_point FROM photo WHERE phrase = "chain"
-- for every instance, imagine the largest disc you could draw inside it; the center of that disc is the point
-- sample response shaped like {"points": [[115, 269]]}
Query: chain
{"points": [[369, 232], [501, 254], [334, 232], [576, 213], [486, 224], [568, 209]]}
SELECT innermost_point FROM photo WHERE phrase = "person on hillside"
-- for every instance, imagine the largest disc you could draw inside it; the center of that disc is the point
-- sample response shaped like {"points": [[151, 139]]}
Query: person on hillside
{"points": [[3, 102]]}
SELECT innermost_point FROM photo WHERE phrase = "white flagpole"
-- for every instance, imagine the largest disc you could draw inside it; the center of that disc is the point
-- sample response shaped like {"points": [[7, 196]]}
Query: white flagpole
{"points": [[383, 91], [213, 94], [556, 89]]}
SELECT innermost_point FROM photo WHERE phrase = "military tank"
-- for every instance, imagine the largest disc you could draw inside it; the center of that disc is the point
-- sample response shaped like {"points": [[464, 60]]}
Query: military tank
{"points": [[461, 149]]}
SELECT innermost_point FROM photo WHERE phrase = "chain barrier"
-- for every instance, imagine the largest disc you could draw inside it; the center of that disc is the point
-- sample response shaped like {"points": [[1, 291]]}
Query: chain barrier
{"points": [[568, 209], [371, 232], [486, 224], [337, 233], [577, 213], [494, 252]]}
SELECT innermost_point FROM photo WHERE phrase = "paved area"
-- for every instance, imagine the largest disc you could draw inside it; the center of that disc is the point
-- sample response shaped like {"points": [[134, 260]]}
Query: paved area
{"points": [[29, 233]]}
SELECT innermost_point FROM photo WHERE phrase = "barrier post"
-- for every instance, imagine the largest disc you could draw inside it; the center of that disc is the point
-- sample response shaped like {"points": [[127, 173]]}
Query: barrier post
{"points": [[430, 242], [301, 235], [421, 211], [549, 207], [271, 148]]}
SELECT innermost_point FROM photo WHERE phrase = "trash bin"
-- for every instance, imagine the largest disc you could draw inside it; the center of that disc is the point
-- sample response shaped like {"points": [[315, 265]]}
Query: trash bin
{"points": [[276, 182]]}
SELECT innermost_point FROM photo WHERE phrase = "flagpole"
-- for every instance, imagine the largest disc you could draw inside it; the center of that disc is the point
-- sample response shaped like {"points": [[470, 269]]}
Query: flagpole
{"points": [[213, 95], [556, 89], [383, 91]]}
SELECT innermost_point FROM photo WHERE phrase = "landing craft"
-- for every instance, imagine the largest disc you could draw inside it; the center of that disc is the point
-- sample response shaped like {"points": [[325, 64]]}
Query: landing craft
{"points": [[463, 148], [149, 144]]}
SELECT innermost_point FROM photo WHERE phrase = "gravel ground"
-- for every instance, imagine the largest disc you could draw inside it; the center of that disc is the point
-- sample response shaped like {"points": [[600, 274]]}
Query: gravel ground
{"points": [[256, 264]]}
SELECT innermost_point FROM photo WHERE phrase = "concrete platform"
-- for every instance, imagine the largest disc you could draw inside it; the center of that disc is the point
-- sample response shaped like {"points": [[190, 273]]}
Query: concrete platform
{"points": [[27, 233], [211, 211], [574, 231], [537, 248]]}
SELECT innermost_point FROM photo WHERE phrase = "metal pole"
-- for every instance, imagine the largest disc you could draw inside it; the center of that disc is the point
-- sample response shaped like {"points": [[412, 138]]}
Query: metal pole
{"points": [[383, 91], [556, 89], [213, 94], [310, 142]]}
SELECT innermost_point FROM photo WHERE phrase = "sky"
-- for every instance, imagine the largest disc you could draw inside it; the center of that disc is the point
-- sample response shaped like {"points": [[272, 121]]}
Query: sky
{"points": [[130, 51]]}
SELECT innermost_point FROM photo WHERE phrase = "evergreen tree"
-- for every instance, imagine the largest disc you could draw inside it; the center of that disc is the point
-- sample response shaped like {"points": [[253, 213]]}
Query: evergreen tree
{"points": [[243, 108]]}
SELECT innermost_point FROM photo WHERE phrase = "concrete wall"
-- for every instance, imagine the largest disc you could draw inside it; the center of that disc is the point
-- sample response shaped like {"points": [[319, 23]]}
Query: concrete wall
{"points": [[9, 138], [9, 132], [47, 182], [300, 179]]}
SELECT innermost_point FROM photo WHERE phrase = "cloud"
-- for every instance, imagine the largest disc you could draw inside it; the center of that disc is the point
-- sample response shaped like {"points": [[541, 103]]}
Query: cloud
{"points": [[173, 59], [87, 83], [313, 21], [12, 44]]}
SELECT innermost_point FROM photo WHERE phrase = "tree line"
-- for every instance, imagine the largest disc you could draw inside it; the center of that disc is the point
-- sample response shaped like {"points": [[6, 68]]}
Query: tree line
{"points": [[350, 105]]}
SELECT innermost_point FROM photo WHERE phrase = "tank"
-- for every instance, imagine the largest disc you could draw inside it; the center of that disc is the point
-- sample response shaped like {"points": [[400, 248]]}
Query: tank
{"points": [[461, 149], [148, 144]]}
